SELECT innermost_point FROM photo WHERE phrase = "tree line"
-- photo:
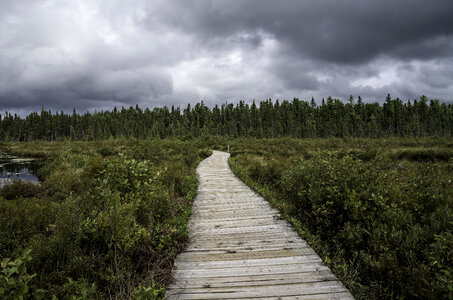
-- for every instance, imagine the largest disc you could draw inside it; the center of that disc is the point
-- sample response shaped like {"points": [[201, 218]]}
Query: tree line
{"points": [[266, 119]]}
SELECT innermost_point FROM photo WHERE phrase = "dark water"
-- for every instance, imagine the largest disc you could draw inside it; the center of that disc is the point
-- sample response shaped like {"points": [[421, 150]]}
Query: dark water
{"points": [[14, 168]]}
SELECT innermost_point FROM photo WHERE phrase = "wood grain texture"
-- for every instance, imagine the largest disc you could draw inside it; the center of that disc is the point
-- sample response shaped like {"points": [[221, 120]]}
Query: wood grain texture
{"points": [[240, 247]]}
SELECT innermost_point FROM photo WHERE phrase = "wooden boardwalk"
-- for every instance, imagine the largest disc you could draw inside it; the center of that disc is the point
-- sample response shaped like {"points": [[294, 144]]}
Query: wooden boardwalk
{"points": [[240, 248]]}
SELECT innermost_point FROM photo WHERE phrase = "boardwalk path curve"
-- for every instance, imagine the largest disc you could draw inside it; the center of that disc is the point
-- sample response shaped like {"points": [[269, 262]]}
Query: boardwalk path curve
{"points": [[241, 248]]}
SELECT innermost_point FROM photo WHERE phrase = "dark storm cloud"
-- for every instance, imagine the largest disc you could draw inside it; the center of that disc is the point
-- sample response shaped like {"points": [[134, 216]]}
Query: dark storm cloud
{"points": [[346, 40], [98, 54], [340, 32], [87, 89]]}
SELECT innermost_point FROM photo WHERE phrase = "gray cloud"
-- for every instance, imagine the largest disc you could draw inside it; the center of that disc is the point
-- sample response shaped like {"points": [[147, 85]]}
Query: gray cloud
{"points": [[346, 32], [98, 54]]}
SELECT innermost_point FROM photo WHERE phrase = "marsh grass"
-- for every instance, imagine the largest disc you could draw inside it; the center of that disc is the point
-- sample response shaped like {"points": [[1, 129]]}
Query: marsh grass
{"points": [[423, 155], [109, 217], [379, 212], [107, 220], [20, 189]]}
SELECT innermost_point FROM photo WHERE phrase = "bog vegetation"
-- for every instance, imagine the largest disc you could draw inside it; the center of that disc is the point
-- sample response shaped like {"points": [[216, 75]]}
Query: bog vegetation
{"points": [[379, 212], [106, 221]]}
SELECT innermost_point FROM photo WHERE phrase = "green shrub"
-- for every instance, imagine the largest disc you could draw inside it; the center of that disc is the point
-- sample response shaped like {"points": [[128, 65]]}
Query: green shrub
{"points": [[422, 155], [383, 226], [107, 151], [80, 290], [14, 278], [148, 293], [21, 219], [441, 260], [20, 189], [109, 215]]}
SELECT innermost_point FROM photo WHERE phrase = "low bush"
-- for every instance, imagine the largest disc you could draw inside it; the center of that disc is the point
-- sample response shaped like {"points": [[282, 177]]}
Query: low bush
{"points": [[20, 189], [383, 226], [422, 155], [108, 219], [14, 278]]}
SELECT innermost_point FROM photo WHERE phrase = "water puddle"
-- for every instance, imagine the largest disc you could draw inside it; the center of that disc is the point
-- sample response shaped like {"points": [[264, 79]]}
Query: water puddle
{"points": [[15, 168]]}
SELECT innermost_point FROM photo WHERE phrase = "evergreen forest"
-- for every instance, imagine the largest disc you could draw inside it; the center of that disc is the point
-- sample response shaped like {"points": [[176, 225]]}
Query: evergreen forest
{"points": [[267, 119]]}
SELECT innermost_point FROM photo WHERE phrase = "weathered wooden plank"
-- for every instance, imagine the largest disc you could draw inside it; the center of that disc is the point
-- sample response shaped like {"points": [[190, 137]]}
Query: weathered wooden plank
{"points": [[229, 238], [251, 262], [328, 296], [251, 241], [191, 256], [251, 234], [231, 218], [232, 224], [235, 219], [255, 281], [232, 213], [240, 247], [252, 250], [251, 270], [243, 247], [245, 229], [264, 240], [309, 288]]}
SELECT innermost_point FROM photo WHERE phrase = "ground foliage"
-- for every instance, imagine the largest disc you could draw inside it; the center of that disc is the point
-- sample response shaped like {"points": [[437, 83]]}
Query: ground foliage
{"points": [[379, 211], [106, 221]]}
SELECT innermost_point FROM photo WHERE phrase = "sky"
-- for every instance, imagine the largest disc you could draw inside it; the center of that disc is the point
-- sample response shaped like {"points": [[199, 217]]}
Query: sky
{"points": [[97, 54]]}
